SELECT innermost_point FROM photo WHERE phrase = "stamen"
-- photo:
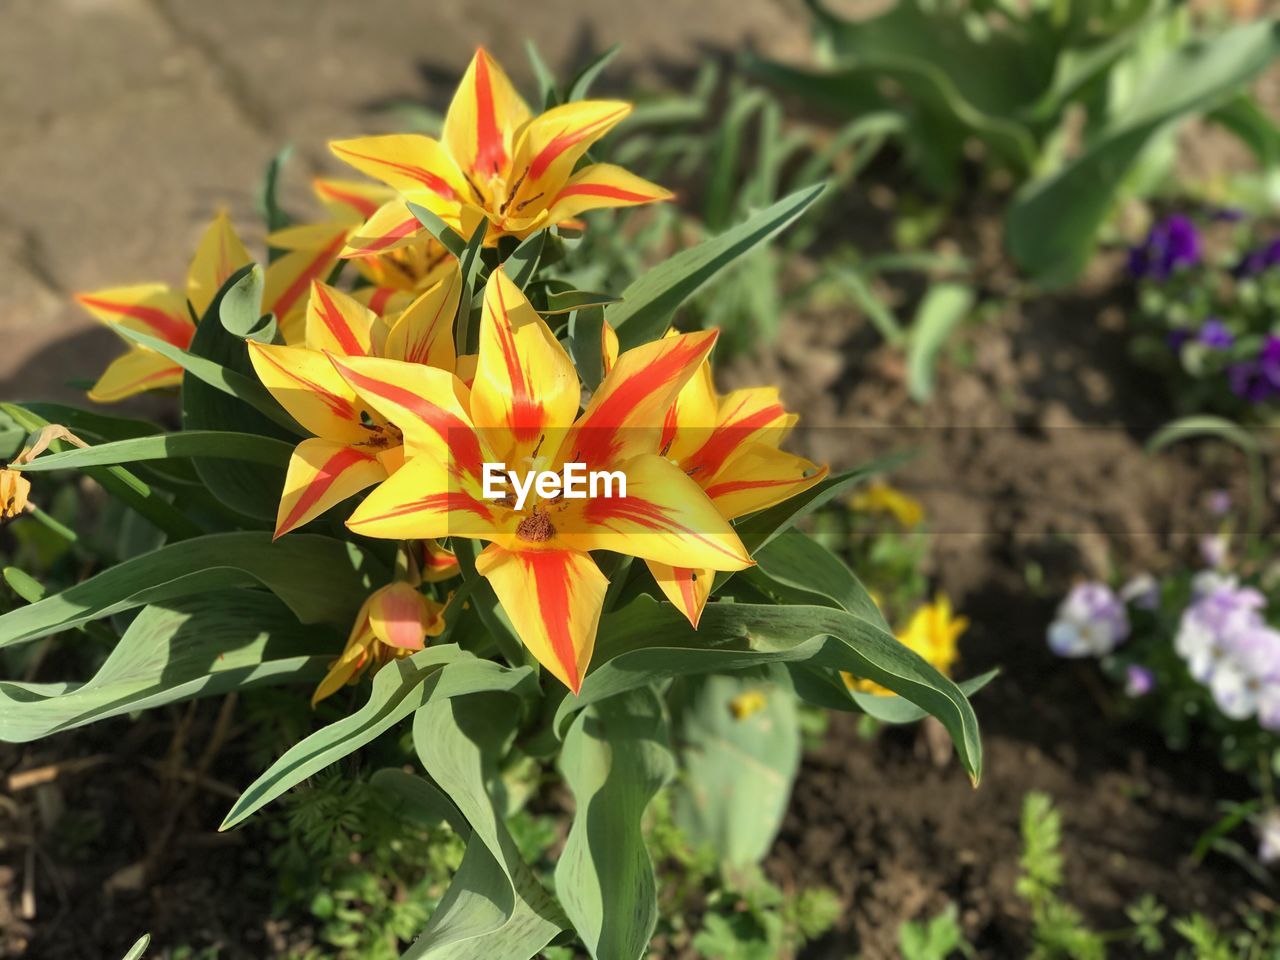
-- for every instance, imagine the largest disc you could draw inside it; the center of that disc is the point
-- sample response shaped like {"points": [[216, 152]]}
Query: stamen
{"points": [[511, 194], [474, 189], [536, 528], [524, 203]]}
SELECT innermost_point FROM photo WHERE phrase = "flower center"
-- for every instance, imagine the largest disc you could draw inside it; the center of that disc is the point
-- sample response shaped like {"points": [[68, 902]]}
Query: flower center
{"points": [[382, 436], [536, 528]]}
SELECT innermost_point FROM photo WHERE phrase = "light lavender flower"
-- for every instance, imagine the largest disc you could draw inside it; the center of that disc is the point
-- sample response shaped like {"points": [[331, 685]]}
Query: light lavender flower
{"points": [[1268, 827], [1218, 502], [1091, 622], [1215, 549], [1142, 590], [1138, 680]]}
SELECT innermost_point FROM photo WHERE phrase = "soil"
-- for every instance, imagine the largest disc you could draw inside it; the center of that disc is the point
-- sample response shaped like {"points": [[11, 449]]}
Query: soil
{"points": [[1032, 468]]}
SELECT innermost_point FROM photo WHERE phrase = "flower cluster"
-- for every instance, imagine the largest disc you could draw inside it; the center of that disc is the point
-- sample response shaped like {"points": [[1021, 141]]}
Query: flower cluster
{"points": [[1091, 622], [1229, 647]]}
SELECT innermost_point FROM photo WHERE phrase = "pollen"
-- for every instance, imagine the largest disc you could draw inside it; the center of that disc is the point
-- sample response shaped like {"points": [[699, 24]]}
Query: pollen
{"points": [[536, 528]]}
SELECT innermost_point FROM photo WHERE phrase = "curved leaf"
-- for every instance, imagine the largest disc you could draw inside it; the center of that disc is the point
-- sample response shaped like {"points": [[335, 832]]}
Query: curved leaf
{"points": [[249, 447]]}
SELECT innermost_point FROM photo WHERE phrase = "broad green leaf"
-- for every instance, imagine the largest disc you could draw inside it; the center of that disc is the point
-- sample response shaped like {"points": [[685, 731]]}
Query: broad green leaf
{"points": [[548, 95], [250, 489], [646, 641], [650, 301], [495, 906], [893, 709], [586, 327], [319, 579], [249, 447], [1053, 220], [273, 214], [567, 301], [399, 688], [616, 757], [413, 797], [449, 238], [191, 647], [940, 312], [522, 263], [738, 740], [799, 562], [240, 311], [467, 335]]}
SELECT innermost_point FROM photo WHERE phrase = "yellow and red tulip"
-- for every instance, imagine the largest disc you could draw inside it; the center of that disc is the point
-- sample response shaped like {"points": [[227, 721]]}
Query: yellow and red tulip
{"points": [[522, 411], [353, 446], [496, 164], [393, 623]]}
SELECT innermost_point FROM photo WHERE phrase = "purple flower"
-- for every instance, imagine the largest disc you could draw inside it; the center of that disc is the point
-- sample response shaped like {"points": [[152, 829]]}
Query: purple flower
{"points": [[1172, 243], [1215, 335], [1257, 261], [1177, 339], [1258, 379], [1218, 502], [1091, 622], [1138, 680]]}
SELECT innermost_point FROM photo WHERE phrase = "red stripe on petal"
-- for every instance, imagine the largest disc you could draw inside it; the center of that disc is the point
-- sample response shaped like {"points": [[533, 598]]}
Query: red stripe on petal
{"points": [[565, 139], [491, 155], [339, 406], [550, 570], [336, 323], [527, 414], [603, 190], [362, 205], [401, 230], [726, 439], [432, 181], [284, 303], [333, 468], [177, 331]]}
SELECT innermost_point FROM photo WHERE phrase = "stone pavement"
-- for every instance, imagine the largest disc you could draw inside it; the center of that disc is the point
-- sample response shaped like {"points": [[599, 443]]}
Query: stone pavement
{"points": [[125, 123]]}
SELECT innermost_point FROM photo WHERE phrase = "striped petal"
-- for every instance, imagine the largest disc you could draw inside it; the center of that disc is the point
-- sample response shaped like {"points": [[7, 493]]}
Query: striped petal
{"points": [[553, 599], [482, 119], [758, 476], [305, 383], [392, 226], [692, 418], [137, 371], [409, 162], [627, 411], [424, 500], [151, 308], [664, 517], [415, 266], [687, 589], [304, 236], [337, 323], [429, 406], [354, 659], [602, 185], [550, 146], [399, 617], [384, 301], [321, 474], [438, 562], [288, 282], [745, 417], [218, 255], [424, 332], [351, 201], [525, 384]]}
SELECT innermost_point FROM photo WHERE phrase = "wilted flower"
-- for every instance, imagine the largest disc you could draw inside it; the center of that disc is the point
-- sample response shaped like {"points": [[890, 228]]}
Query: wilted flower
{"points": [[1138, 680], [1091, 622], [879, 497], [1171, 244], [392, 623], [14, 490], [1258, 379]]}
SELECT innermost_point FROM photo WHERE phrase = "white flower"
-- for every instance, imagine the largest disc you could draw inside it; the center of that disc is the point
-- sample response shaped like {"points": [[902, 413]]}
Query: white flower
{"points": [[1091, 622]]}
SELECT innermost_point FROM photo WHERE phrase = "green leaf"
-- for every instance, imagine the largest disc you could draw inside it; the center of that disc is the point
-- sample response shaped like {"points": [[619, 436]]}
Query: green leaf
{"points": [[414, 798], [181, 649], [448, 237], [650, 301], [799, 562], [943, 307], [894, 709], [580, 85], [566, 301], [139, 947], [250, 489], [399, 688], [737, 770], [646, 641], [586, 330], [321, 580], [240, 311], [548, 96], [523, 262], [616, 758], [248, 447], [1076, 199], [495, 906], [467, 334]]}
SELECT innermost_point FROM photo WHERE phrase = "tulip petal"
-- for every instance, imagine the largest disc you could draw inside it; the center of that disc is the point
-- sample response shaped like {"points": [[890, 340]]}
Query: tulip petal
{"points": [[132, 373], [550, 146], [337, 323], [553, 599], [306, 385], [351, 201], [354, 658], [321, 474], [426, 403], [409, 162], [692, 418], [423, 500], [438, 563], [627, 411], [392, 226], [745, 417], [602, 185], [288, 281], [758, 476], [151, 308], [424, 332], [525, 384], [482, 119], [218, 255], [664, 516], [687, 589], [398, 616]]}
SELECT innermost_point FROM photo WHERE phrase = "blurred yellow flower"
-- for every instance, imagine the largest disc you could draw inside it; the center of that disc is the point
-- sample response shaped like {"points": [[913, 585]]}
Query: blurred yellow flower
{"points": [[931, 632], [748, 703], [879, 497], [14, 489]]}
